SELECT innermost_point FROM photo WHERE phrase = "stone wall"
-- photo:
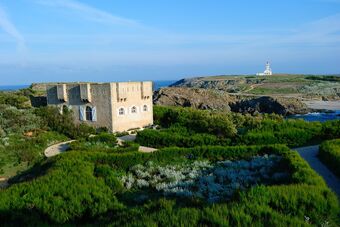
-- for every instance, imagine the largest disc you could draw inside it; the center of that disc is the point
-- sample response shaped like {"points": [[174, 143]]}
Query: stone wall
{"points": [[136, 95]]}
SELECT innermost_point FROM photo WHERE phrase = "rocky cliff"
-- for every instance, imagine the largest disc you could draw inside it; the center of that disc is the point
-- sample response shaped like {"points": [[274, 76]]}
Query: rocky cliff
{"points": [[192, 97], [220, 100], [266, 104], [230, 84], [303, 86]]}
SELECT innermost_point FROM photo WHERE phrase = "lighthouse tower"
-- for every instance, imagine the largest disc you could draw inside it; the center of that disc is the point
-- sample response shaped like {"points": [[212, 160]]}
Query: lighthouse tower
{"points": [[267, 71]]}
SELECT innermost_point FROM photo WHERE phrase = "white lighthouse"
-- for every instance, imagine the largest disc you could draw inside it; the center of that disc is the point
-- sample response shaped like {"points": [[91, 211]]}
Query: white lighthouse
{"points": [[267, 71]]}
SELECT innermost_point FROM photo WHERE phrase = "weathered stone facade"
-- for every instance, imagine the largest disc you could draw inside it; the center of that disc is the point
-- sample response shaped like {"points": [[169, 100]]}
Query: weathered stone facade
{"points": [[116, 106]]}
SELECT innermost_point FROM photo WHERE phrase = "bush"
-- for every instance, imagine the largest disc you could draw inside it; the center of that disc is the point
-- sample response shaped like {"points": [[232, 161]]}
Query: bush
{"points": [[120, 134], [329, 154], [103, 137], [82, 188], [331, 129], [64, 123], [289, 132], [168, 138], [261, 129], [198, 121], [15, 99], [18, 121]]}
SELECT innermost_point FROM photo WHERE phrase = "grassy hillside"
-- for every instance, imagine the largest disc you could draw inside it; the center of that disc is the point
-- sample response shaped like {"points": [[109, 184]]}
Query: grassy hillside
{"points": [[307, 86], [212, 168]]}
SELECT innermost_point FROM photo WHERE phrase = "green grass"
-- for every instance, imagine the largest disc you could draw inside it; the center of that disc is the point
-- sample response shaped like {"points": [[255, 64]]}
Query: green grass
{"points": [[263, 90]]}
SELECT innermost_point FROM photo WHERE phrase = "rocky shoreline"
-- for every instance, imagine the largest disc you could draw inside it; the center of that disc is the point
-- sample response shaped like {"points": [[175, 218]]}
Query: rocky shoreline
{"points": [[321, 106], [220, 100], [284, 94]]}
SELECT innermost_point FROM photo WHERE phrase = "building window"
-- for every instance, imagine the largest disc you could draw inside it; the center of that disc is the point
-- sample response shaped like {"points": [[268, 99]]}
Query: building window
{"points": [[134, 109], [145, 108], [88, 111], [121, 111]]}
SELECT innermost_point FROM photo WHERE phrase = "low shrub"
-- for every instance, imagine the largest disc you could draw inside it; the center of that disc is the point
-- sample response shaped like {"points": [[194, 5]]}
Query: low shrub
{"points": [[251, 130], [120, 134], [104, 137], [64, 123], [15, 99], [329, 154], [331, 129], [211, 181], [168, 138], [82, 188]]}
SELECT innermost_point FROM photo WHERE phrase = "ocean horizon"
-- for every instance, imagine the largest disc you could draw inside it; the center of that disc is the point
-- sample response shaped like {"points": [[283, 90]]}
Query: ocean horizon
{"points": [[157, 85]]}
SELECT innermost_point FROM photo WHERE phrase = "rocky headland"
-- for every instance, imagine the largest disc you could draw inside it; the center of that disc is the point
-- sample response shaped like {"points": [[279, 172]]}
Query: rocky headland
{"points": [[219, 100]]}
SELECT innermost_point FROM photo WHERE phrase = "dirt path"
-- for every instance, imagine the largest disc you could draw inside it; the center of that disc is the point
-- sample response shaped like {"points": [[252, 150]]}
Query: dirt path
{"points": [[3, 182], [132, 138], [57, 148], [251, 87], [310, 155]]}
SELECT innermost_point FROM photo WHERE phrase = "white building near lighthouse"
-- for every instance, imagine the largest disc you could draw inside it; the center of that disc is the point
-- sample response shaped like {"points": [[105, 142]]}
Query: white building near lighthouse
{"points": [[267, 71]]}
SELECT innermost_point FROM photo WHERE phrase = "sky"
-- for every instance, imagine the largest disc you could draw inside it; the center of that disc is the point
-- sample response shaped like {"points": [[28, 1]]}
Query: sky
{"points": [[122, 40]]}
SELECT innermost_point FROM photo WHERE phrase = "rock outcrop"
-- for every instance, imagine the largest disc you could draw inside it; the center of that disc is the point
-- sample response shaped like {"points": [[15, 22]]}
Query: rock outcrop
{"points": [[266, 104], [220, 100], [231, 85], [192, 97]]}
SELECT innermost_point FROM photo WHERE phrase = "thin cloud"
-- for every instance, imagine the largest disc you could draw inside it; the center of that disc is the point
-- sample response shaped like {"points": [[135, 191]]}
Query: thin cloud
{"points": [[10, 29], [90, 12]]}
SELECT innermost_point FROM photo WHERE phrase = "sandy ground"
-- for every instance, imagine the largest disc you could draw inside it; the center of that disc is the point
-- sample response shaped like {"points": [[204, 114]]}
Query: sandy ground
{"points": [[323, 105], [310, 155]]}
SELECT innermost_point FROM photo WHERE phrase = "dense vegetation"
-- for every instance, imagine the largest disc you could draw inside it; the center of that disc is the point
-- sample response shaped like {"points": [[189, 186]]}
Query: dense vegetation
{"points": [[19, 99], [23, 138], [184, 127], [324, 78], [25, 131], [329, 153], [84, 187], [241, 185]]}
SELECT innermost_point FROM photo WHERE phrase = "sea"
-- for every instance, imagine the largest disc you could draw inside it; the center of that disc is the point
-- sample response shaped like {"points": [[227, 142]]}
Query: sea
{"points": [[157, 85], [12, 87], [318, 116], [322, 116]]}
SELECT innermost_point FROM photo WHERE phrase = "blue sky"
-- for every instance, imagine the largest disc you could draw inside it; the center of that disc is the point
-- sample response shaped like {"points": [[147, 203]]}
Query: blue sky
{"points": [[69, 40]]}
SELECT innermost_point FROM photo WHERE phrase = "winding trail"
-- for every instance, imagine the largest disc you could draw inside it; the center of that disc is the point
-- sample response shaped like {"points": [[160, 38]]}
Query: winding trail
{"points": [[57, 148], [3, 182], [132, 138], [310, 155], [63, 146]]}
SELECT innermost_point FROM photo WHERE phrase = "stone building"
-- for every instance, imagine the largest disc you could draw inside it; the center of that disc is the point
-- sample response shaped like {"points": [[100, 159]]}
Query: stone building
{"points": [[117, 106]]}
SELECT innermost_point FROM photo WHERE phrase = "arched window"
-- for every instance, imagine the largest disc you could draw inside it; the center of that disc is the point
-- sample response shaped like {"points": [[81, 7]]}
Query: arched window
{"points": [[88, 112], [145, 108], [121, 111], [134, 109]]}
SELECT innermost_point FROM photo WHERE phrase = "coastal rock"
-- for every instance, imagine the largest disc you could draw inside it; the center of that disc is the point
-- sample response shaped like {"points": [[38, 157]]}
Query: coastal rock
{"points": [[220, 100], [190, 97], [231, 85], [266, 104]]}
